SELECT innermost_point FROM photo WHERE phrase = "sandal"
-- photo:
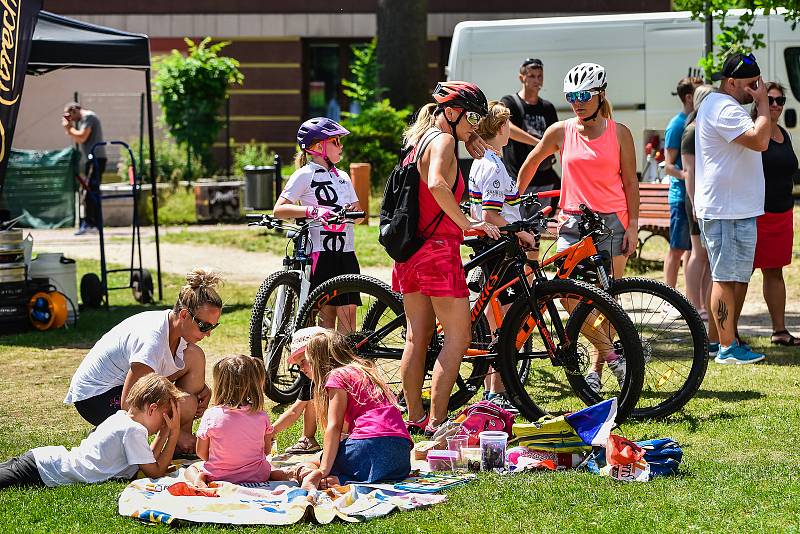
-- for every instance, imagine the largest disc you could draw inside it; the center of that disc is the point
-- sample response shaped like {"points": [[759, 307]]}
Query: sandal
{"points": [[418, 427], [784, 338], [304, 446]]}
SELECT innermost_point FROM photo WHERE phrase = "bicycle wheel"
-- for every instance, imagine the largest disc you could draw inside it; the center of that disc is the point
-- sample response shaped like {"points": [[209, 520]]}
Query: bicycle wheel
{"points": [[377, 328], [674, 341], [595, 327], [271, 320]]}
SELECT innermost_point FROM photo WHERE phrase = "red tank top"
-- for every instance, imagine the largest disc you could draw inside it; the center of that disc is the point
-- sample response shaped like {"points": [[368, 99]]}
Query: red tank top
{"points": [[430, 210]]}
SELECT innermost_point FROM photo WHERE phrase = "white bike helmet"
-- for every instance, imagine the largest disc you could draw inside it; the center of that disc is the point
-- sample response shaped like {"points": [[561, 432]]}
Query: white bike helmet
{"points": [[584, 77]]}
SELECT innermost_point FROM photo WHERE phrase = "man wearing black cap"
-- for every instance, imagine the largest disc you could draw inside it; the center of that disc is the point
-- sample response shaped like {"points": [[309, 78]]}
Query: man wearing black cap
{"points": [[530, 117], [729, 193]]}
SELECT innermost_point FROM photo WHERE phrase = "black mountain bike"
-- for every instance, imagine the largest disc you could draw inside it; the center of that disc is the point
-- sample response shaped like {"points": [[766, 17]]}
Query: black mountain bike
{"points": [[537, 327]]}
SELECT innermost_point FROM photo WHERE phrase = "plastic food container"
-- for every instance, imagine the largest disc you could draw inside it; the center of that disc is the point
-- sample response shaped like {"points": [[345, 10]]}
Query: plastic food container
{"points": [[442, 460], [471, 457], [493, 450], [456, 443]]}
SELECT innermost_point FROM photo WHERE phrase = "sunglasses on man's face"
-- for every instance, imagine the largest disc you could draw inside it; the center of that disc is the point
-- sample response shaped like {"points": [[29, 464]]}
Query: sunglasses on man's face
{"points": [[779, 100], [202, 325], [580, 96]]}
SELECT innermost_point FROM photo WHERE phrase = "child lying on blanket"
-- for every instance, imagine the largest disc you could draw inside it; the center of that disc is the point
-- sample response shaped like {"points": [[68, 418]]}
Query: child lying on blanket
{"points": [[117, 448], [235, 433], [349, 391]]}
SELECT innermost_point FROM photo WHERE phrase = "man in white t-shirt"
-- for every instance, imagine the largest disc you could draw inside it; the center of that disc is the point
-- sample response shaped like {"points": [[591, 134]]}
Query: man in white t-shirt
{"points": [[729, 193]]}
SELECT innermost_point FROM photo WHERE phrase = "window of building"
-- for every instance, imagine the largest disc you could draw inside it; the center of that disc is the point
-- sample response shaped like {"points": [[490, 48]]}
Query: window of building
{"points": [[326, 64]]}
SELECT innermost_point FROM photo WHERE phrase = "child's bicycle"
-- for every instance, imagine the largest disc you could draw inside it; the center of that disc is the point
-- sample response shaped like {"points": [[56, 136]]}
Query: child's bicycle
{"points": [[278, 300], [673, 335], [537, 327]]}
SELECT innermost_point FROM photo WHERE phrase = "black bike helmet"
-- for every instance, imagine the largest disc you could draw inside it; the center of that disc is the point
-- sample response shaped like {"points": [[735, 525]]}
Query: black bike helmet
{"points": [[464, 95]]}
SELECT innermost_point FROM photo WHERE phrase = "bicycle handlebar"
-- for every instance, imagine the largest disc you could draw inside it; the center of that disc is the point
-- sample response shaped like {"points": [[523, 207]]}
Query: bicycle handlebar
{"points": [[269, 221]]}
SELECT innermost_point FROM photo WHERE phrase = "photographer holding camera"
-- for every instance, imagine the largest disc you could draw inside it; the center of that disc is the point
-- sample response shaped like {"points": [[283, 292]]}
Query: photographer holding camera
{"points": [[83, 126]]}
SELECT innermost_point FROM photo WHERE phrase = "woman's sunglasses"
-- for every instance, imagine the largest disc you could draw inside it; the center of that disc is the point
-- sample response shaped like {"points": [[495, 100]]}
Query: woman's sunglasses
{"points": [[580, 96], [779, 100], [202, 325], [473, 118]]}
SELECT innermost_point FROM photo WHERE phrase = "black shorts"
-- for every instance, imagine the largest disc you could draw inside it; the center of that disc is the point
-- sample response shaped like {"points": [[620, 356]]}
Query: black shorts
{"points": [[332, 264], [694, 228], [20, 471], [100, 407], [306, 389]]}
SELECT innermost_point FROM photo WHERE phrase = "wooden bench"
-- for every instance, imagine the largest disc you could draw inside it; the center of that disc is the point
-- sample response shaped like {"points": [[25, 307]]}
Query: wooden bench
{"points": [[653, 212]]}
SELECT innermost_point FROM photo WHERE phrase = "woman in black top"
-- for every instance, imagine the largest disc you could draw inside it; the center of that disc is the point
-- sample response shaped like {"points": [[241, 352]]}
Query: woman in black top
{"points": [[775, 230]]}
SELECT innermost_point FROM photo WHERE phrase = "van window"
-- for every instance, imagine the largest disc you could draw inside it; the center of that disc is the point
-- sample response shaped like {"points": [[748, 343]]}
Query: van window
{"points": [[792, 56]]}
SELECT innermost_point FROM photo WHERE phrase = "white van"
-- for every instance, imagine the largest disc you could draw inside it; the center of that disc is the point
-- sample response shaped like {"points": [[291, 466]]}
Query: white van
{"points": [[645, 55]]}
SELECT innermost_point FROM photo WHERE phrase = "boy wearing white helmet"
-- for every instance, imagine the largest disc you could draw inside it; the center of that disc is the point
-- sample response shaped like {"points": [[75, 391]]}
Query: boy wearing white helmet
{"points": [[598, 163]]}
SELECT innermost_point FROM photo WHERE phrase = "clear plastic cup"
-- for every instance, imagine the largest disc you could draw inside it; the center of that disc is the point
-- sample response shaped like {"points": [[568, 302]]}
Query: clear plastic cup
{"points": [[493, 450], [456, 443]]}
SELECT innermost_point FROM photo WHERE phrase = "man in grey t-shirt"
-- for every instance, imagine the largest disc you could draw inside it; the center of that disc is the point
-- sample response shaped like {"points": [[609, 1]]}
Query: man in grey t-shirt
{"points": [[83, 126]]}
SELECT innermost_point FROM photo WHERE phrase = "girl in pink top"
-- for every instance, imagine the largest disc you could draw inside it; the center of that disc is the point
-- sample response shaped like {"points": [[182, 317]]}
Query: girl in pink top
{"points": [[235, 434], [350, 392], [598, 161]]}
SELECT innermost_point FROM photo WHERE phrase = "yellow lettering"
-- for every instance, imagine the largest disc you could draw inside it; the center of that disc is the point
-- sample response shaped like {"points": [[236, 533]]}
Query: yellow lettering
{"points": [[2, 141]]}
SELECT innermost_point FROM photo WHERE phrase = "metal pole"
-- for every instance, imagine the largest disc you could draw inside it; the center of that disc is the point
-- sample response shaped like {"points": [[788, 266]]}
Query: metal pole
{"points": [[154, 191], [141, 133], [228, 136], [709, 37]]}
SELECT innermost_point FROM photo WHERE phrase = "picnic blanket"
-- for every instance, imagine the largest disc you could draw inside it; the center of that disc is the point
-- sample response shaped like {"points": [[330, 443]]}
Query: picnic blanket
{"points": [[169, 500]]}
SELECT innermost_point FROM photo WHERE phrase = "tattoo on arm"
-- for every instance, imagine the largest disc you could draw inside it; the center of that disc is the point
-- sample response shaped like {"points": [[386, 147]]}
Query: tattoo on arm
{"points": [[722, 314]]}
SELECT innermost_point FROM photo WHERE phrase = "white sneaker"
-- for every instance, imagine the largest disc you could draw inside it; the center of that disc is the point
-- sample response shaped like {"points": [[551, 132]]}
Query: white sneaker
{"points": [[593, 381], [618, 368]]}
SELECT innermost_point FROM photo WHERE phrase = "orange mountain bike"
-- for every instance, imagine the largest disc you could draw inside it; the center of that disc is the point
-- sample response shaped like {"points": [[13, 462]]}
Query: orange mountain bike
{"points": [[673, 335], [537, 327]]}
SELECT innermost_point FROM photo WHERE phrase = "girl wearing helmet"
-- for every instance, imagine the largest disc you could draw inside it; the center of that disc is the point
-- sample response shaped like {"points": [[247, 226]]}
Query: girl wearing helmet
{"points": [[316, 190], [432, 281], [598, 163]]}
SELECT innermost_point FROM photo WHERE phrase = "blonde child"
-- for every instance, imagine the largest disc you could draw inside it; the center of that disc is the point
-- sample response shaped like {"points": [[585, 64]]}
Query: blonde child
{"points": [[235, 434], [350, 392], [494, 198], [117, 448]]}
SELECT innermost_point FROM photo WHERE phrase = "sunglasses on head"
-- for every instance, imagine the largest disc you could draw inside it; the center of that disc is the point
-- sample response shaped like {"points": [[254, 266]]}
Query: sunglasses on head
{"points": [[202, 325], [779, 100], [533, 62], [580, 96], [749, 59]]}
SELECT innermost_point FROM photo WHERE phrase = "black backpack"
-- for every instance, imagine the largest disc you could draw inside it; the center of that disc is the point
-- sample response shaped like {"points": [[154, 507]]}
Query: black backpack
{"points": [[400, 207]]}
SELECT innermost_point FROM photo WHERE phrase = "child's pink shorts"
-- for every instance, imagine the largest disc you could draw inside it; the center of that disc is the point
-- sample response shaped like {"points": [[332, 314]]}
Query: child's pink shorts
{"points": [[435, 270]]}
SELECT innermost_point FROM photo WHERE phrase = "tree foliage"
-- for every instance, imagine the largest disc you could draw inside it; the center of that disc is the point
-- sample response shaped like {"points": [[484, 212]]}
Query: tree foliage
{"points": [[375, 137], [191, 90], [735, 34], [363, 87]]}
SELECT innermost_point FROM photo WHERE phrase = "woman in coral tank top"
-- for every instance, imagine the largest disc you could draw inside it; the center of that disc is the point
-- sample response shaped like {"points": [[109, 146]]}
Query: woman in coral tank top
{"points": [[598, 163]]}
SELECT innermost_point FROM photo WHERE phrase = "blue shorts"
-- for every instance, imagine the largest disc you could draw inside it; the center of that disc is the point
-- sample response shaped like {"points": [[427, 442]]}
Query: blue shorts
{"points": [[679, 235], [731, 246], [373, 460]]}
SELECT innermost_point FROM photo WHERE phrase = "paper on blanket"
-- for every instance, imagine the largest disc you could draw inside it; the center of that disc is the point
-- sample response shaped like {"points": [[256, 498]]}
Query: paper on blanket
{"points": [[594, 423], [274, 503]]}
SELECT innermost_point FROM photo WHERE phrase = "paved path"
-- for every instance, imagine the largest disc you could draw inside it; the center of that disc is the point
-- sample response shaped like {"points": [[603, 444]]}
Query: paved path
{"points": [[252, 267]]}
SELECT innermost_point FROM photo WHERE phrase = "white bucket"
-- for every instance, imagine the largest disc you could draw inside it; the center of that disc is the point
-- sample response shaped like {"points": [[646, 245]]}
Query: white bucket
{"points": [[62, 274]]}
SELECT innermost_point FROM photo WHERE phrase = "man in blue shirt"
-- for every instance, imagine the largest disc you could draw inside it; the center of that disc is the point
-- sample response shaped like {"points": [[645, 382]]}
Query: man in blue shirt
{"points": [[679, 239]]}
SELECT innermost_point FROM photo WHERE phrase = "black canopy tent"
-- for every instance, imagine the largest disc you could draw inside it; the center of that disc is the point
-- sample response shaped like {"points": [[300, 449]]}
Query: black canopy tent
{"points": [[64, 43]]}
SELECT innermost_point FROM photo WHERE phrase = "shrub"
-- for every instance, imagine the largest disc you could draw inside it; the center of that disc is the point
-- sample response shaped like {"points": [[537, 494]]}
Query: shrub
{"points": [[170, 162], [191, 91], [375, 137], [252, 153]]}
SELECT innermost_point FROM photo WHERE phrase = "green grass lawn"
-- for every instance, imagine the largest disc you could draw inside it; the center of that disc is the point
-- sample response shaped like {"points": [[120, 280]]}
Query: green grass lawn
{"points": [[739, 474]]}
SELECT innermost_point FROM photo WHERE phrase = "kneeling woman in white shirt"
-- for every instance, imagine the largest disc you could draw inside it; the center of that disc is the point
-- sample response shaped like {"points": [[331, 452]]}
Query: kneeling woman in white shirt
{"points": [[164, 342]]}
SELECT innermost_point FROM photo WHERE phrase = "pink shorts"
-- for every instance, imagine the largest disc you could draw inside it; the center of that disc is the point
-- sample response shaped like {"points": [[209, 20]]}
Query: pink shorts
{"points": [[435, 270]]}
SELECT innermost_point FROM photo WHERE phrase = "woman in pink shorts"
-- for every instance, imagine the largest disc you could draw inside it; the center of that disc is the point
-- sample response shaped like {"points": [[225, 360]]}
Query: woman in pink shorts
{"points": [[432, 281]]}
